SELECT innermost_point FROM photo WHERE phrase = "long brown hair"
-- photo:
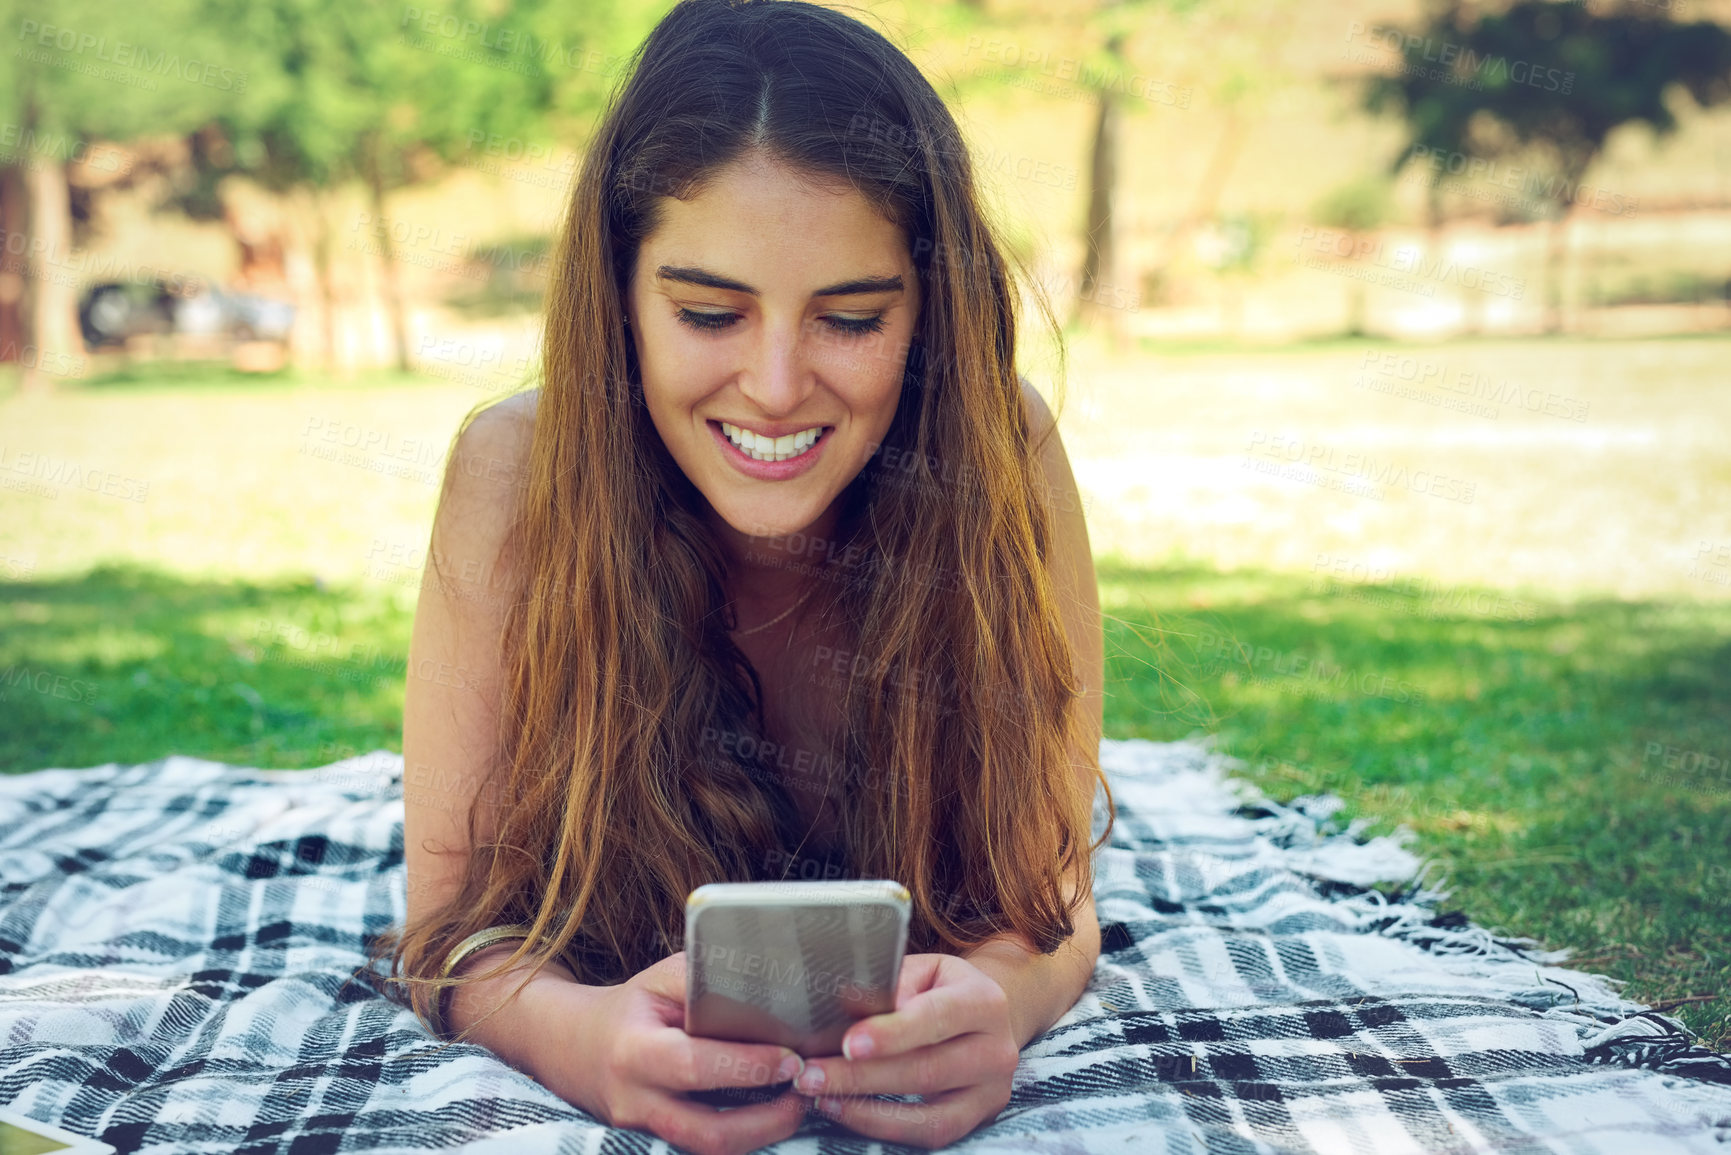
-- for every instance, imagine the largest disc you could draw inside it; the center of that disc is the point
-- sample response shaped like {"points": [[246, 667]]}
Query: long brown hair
{"points": [[615, 795]]}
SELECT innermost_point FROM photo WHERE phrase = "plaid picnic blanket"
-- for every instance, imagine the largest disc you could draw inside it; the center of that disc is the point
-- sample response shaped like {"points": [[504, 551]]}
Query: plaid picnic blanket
{"points": [[179, 943]]}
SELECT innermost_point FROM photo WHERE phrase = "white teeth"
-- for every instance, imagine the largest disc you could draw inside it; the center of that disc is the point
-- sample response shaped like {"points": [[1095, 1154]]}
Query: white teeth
{"points": [[761, 448]]}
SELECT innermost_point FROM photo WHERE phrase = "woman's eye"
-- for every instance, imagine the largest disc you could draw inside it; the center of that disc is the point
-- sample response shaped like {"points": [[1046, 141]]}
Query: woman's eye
{"points": [[847, 326], [856, 325], [708, 322]]}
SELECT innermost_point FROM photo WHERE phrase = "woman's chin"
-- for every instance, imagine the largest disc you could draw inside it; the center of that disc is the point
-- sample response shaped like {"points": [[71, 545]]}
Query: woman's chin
{"points": [[769, 527], [770, 523]]}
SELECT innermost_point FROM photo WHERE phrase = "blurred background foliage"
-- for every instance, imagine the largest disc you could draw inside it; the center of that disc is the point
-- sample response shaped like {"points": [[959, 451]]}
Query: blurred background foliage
{"points": [[299, 125]]}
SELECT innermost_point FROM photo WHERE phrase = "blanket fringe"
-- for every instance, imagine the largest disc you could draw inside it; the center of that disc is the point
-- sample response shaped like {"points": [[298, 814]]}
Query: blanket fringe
{"points": [[1615, 1030], [1658, 1043]]}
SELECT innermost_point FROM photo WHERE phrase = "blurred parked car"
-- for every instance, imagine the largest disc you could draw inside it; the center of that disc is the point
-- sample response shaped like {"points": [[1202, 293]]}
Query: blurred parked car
{"points": [[113, 312]]}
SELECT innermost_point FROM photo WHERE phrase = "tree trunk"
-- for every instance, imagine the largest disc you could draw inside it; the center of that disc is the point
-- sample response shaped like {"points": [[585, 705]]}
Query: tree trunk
{"points": [[1556, 238], [327, 289], [13, 219], [388, 258], [1100, 290], [50, 290], [1355, 299]]}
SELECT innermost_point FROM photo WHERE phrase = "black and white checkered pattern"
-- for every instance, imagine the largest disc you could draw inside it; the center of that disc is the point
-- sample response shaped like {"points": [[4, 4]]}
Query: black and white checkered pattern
{"points": [[179, 941]]}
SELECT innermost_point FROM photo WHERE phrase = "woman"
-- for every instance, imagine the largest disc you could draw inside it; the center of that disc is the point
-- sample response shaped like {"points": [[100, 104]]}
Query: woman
{"points": [[778, 574]]}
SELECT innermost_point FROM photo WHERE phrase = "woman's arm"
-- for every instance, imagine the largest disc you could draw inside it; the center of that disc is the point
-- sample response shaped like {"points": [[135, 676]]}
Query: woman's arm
{"points": [[451, 693], [451, 711], [1041, 988]]}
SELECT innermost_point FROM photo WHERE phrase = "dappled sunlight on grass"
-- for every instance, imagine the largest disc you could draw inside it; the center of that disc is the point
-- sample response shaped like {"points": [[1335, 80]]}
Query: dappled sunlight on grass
{"points": [[265, 674], [1529, 755]]}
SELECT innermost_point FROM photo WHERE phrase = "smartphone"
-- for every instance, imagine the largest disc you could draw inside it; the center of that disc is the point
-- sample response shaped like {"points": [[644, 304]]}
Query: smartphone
{"points": [[792, 963], [22, 1135]]}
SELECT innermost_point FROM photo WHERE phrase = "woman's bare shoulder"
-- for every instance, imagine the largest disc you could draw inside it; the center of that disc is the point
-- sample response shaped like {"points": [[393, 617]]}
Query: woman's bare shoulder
{"points": [[491, 455], [486, 475], [1040, 421], [504, 426]]}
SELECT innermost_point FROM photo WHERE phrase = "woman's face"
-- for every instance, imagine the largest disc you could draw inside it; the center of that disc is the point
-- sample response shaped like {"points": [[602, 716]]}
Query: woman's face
{"points": [[772, 317]]}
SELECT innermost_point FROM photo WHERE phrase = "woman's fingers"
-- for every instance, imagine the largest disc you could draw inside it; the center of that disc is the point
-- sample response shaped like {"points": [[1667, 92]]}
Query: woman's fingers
{"points": [[950, 1001], [665, 977], [937, 1122], [925, 1019], [963, 1061], [948, 1041], [680, 1062], [707, 1131]]}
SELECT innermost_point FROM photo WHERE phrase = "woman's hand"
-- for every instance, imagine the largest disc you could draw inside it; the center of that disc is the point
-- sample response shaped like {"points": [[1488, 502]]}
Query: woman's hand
{"points": [[949, 1040], [629, 1061]]}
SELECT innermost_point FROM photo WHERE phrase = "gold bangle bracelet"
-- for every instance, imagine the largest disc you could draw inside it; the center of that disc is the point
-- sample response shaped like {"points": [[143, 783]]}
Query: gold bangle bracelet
{"points": [[479, 941]]}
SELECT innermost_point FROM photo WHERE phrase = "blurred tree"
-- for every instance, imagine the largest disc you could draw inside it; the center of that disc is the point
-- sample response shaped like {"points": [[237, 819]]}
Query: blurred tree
{"points": [[1105, 57], [389, 95], [81, 71], [1133, 57], [1545, 82], [1100, 264]]}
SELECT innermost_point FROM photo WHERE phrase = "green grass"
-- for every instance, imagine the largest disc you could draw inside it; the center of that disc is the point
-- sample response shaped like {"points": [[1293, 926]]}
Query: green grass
{"points": [[1519, 755], [112, 372], [128, 665], [1550, 756]]}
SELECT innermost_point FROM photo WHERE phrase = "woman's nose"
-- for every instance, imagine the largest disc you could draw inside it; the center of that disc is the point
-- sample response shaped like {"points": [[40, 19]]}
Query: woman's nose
{"points": [[778, 376]]}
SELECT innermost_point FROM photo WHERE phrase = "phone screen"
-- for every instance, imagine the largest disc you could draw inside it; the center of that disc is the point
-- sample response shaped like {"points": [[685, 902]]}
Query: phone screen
{"points": [[15, 1140], [22, 1135], [792, 963]]}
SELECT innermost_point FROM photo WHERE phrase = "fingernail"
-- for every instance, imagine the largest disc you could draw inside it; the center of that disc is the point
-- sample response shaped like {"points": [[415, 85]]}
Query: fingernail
{"points": [[790, 1068], [810, 1081], [829, 1106], [856, 1047]]}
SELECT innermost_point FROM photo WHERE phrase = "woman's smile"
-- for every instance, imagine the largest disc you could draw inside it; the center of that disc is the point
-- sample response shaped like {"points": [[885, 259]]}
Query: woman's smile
{"points": [[768, 457]]}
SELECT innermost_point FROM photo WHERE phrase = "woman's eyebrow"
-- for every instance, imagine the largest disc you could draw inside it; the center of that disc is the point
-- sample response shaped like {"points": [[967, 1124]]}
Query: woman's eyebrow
{"points": [[695, 276]]}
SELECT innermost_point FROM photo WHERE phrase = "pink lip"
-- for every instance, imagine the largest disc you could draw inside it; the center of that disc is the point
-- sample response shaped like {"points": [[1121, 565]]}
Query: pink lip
{"points": [[769, 470]]}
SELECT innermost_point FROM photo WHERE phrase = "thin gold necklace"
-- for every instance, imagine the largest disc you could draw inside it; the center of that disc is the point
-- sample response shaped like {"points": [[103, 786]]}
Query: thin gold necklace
{"points": [[799, 601]]}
